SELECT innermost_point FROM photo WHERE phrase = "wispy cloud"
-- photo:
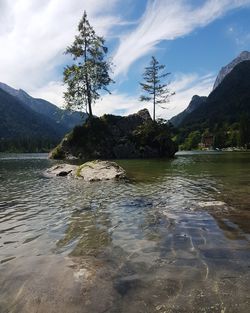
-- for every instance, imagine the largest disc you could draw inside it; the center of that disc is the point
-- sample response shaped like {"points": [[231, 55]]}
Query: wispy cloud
{"points": [[52, 92], [184, 85], [34, 34], [167, 20]]}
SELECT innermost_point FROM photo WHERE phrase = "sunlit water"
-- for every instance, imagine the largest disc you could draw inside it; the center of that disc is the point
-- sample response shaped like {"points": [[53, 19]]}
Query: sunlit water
{"points": [[157, 243]]}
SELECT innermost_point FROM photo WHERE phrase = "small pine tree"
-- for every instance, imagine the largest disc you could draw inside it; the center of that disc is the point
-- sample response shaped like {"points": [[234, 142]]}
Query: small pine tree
{"points": [[90, 71], [157, 91]]}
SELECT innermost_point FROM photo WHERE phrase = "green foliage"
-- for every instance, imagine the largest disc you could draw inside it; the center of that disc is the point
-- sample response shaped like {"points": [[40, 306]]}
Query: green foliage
{"points": [[93, 130], [244, 130], [27, 144], [91, 137], [155, 134], [156, 90], [220, 139], [90, 71], [225, 135], [225, 113], [111, 137], [57, 152], [233, 139], [192, 141]]}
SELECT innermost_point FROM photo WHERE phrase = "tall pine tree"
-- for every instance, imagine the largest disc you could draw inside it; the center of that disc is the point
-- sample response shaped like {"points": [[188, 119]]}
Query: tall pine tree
{"points": [[157, 91], [89, 72]]}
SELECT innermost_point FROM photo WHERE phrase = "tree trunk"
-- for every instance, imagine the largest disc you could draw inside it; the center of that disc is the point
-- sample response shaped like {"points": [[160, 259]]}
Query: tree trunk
{"points": [[87, 81], [90, 105], [154, 108], [154, 95]]}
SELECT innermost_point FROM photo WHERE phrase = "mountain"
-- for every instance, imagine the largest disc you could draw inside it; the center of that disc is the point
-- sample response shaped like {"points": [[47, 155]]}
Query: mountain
{"points": [[20, 125], [28, 124], [197, 101], [227, 102], [244, 56], [223, 118], [193, 105], [64, 119]]}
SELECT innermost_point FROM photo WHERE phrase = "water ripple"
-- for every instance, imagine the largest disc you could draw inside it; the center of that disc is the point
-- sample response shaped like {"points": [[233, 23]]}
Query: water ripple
{"points": [[148, 242]]}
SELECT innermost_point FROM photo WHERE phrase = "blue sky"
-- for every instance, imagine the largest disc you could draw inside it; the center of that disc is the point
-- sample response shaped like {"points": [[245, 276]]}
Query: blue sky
{"points": [[193, 38]]}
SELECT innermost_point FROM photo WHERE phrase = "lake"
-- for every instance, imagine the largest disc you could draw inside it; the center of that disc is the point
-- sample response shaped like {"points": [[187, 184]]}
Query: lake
{"points": [[175, 238]]}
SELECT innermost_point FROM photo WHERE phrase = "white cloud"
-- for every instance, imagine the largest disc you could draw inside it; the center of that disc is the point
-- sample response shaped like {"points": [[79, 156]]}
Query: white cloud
{"points": [[167, 20], [117, 102], [184, 85], [52, 92], [34, 35]]}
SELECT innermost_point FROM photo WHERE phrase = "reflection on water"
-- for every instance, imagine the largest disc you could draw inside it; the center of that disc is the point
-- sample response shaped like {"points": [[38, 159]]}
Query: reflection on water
{"points": [[147, 245]]}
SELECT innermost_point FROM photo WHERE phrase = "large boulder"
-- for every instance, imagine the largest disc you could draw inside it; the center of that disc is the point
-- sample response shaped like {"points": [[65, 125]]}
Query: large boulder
{"points": [[100, 170], [89, 171]]}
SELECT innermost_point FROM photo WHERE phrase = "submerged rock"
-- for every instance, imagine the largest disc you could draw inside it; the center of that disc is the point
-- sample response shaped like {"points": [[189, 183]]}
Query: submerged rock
{"points": [[213, 207], [89, 171], [62, 170], [209, 204]]}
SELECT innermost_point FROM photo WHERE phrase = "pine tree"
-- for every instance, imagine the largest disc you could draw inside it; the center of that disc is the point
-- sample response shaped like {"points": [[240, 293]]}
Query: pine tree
{"points": [[89, 72], [154, 85]]}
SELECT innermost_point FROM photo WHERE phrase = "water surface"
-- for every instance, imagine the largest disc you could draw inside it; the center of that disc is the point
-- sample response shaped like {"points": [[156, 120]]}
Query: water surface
{"points": [[175, 238]]}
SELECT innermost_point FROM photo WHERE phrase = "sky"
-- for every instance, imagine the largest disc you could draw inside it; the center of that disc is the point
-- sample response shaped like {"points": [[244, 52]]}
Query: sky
{"points": [[193, 38]]}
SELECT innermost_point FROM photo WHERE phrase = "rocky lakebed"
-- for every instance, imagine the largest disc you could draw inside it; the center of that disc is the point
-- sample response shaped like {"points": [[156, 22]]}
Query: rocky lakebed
{"points": [[164, 236]]}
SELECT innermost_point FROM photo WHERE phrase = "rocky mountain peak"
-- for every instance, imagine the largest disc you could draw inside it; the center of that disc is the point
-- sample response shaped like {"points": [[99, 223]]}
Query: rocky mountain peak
{"points": [[243, 56], [195, 103]]}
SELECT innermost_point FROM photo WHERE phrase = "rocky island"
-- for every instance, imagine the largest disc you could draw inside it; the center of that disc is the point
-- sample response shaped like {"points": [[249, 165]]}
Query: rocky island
{"points": [[117, 137]]}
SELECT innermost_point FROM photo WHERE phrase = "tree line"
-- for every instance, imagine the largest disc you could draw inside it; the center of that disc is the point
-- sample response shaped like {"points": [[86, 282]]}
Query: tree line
{"points": [[27, 144], [221, 136]]}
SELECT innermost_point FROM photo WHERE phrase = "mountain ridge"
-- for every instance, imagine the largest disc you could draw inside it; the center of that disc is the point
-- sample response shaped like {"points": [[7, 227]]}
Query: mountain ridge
{"points": [[225, 70], [29, 124], [18, 122], [193, 105], [64, 118], [223, 119], [197, 100]]}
